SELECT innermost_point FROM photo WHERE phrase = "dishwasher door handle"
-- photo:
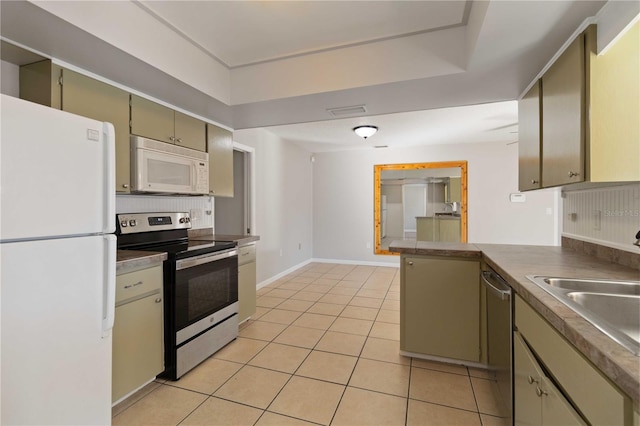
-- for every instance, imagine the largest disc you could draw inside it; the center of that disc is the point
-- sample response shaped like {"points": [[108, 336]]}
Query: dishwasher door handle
{"points": [[496, 285]]}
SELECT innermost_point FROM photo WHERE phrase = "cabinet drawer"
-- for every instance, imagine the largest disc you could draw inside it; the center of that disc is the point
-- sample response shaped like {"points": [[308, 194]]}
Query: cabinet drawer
{"points": [[135, 284], [599, 400], [246, 254]]}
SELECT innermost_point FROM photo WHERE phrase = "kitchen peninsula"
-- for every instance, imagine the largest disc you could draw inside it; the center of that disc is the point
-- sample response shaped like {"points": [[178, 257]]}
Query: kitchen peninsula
{"points": [[618, 368]]}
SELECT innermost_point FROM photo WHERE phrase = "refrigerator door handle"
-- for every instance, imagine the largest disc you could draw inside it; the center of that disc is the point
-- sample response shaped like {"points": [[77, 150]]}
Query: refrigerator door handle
{"points": [[110, 176], [109, 301]]}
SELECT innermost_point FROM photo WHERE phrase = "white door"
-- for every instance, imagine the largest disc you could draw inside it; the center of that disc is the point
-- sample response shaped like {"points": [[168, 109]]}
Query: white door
{"points": [[57, 173], [56, 354]]}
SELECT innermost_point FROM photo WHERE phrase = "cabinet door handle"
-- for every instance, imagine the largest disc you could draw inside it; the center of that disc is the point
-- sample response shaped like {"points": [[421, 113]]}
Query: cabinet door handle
{"points": [[531, 380], [133, 285], [573, 174], [410, 263], [172, 138], [125, 185], [158, 300], [179, 140], [534, 181], [540, 392]]}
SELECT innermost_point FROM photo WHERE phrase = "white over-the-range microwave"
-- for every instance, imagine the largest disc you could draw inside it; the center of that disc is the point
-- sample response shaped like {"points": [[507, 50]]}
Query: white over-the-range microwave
{"points": [[162, 168]]}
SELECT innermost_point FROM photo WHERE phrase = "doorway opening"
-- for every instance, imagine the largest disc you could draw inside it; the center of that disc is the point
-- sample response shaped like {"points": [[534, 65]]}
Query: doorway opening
{"points": [[234, 215]]}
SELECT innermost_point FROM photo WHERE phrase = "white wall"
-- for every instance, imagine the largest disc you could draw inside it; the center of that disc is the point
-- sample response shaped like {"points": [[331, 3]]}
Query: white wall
{"points": [[343, 198], [283, 202]]}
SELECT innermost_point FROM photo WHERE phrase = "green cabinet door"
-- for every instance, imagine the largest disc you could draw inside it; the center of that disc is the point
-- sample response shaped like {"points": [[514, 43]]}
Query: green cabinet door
{"points": [[91, 98], [189, 132], [529, 139], [151, 120], [563, 118], [246, 282], [220, 149], [526, 408], [440, 307], [455, 189], [537, 401]]}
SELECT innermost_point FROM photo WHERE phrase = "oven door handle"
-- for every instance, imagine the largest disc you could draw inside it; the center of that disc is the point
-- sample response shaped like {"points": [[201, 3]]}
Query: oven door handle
{"points": [[492, 281], [205, 258]]}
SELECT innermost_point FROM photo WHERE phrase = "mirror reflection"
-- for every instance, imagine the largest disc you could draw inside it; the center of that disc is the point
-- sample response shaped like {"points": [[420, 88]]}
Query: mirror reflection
{"points": [[423, 201]]}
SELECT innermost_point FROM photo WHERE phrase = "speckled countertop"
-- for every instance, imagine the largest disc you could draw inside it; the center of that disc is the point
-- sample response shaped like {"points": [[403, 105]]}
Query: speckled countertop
{"points": [[128, 260], [515, 262]]}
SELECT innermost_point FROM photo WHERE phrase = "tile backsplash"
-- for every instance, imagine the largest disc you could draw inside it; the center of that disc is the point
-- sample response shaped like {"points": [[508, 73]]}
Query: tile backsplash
{"points": [[201, 208], [608, 216]]}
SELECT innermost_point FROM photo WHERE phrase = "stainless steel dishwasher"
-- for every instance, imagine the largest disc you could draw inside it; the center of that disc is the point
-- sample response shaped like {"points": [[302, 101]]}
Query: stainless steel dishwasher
{"points": [[499, 340]]}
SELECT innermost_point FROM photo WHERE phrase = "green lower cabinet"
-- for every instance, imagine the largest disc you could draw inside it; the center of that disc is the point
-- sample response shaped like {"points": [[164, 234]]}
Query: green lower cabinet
{"points": [[554, 384], [538, 401], [246, 282], [440, 307]]}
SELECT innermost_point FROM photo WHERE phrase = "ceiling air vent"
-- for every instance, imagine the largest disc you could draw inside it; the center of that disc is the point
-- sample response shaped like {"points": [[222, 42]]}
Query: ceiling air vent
{"points": [[348, 110]]}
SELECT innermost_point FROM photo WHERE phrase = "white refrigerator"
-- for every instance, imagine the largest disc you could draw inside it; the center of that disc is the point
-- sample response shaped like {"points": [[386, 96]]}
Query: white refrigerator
{"points": [[57, 266]]}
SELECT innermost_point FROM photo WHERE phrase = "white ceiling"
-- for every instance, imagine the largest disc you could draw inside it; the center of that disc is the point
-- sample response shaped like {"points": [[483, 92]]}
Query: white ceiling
{"points": [[239, 33], [427, 72], [494, 122]]}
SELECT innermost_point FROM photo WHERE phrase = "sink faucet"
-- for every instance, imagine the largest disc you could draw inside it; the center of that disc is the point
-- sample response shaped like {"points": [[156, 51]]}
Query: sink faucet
{"points": [[637, 243]]}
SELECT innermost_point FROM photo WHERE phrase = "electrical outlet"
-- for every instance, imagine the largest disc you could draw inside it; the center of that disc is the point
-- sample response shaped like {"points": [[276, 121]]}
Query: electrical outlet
{"points": [[368, 245], [196, 214], [299, 246], [597, 219]]}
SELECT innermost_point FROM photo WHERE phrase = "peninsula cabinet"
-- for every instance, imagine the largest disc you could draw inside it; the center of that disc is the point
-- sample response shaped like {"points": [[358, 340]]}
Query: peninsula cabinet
{"points": [[154, 121], [48, 84], [220, 149], [554, 384], [440, 307]]}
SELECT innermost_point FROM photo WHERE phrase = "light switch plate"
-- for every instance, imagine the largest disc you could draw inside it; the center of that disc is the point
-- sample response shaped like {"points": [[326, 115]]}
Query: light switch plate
{"points": [[517, 197]]}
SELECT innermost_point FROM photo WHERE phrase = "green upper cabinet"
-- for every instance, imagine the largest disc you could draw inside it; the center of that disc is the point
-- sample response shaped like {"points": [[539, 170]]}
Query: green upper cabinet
{"points": [[154, 121], [220, 149], [529, 139], [51, 85], [455, 190], [40, 83], [92, 98], [581, 118], [563, 115]]}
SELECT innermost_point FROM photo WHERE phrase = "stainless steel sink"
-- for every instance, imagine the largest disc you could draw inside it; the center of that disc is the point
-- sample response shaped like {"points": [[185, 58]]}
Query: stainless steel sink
{"points": [[612, 306]]}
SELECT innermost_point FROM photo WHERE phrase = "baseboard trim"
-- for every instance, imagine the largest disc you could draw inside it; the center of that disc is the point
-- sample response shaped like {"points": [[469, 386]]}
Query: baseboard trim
{"points": [[358, 262], [282, 274]]}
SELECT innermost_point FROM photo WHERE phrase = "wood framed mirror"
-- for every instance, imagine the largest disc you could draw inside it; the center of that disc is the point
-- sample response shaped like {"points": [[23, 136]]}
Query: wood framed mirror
{"points": [[419, 201]]}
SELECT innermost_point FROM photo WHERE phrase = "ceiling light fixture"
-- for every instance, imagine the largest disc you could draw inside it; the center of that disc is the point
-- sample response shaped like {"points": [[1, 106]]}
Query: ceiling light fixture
{"points": [[365, 131]]}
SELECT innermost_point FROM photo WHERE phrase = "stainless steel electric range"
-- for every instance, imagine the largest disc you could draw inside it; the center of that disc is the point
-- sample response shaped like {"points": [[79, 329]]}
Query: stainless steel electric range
{"points": [[200, 286]]}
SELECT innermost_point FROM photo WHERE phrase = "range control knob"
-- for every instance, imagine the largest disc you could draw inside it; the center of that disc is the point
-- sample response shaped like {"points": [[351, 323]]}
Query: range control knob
{"points": [[123, 224], [182, 220], [132, 222], [187, 219]]}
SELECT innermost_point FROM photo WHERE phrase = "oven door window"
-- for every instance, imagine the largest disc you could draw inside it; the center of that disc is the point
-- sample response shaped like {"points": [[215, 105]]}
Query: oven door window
{"points": [[205, 289]]}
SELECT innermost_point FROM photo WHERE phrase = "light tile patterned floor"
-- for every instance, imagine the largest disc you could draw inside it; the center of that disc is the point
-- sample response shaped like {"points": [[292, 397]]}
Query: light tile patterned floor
{"points": [[322, 348]]}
